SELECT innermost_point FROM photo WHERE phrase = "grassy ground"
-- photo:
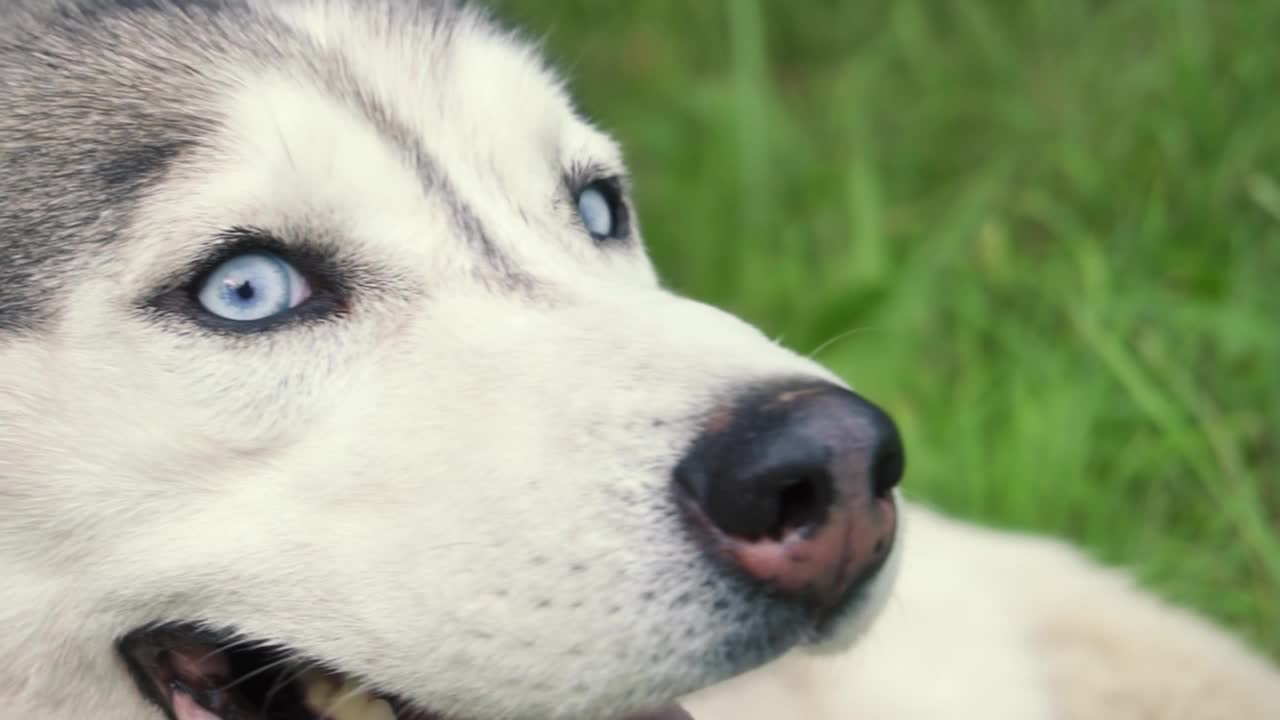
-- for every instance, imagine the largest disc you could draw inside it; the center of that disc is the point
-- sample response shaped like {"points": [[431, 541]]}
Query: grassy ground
{"points": [[1045, 234]]}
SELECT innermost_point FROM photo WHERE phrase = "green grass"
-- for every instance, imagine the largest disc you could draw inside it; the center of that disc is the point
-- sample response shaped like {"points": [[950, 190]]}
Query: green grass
{"points": [[1046, 235]]}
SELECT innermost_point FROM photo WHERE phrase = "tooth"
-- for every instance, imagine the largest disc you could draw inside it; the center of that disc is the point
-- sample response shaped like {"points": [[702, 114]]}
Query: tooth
{"points": [[320, 690], [343, 699], [347, 702], [351, 702], [379, 710], [318, 697]]}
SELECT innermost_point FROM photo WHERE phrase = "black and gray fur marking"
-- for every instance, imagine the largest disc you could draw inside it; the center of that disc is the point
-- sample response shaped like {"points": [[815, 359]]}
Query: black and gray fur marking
{"points": [[96, 108], [102, 97], [433, 178]]}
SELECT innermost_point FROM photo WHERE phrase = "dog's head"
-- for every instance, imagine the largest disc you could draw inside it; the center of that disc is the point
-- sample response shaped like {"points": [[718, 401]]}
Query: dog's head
{"points": [[331, 360]]}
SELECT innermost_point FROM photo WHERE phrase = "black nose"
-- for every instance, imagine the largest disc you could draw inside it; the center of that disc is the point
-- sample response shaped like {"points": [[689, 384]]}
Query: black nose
{"points": [[794, 482]]}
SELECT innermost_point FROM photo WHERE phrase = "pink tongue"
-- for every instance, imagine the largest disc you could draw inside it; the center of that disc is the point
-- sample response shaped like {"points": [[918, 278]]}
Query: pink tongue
{"points": [[675, 712], [186, 708]]}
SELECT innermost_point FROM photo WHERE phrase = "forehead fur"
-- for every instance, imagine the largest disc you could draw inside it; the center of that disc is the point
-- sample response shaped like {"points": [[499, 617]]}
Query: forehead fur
{"points": [[103, 97]]}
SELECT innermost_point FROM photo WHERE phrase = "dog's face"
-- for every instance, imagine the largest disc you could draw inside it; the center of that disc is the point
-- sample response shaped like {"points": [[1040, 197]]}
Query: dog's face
{"points": [[328, 339]]}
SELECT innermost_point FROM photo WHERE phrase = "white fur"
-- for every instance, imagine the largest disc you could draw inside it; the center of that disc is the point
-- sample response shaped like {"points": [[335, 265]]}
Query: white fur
{"points": [[987, 625], [460, 489]]}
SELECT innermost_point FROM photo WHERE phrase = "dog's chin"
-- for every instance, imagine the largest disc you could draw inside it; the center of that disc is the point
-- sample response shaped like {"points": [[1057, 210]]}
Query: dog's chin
{"points": [[195, 674]]}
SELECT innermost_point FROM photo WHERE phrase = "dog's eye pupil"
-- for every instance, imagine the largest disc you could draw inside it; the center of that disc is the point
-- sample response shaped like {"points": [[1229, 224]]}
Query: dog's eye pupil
{"points": [[252, 286]]}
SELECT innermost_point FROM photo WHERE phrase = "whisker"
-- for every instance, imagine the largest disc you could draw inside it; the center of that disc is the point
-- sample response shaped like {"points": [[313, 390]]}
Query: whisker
{"points": [[234, 644], [285, 679], [256, 672], [832, 340]]}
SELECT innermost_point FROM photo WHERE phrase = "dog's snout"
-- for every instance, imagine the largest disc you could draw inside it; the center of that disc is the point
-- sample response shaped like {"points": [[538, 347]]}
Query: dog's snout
{"points": [[793, 484]]}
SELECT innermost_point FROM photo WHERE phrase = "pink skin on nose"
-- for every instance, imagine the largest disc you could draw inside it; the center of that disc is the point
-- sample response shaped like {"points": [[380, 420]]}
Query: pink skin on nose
{"points": [[821, 563], [825, 562]]}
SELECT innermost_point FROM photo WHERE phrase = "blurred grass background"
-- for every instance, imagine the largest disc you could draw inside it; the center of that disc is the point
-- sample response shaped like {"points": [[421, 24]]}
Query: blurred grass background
{"points": [[1044, 234]]}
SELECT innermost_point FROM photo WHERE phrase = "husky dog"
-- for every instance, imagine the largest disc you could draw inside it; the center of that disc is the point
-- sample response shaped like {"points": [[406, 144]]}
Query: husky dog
{"points": [[335, 384]]}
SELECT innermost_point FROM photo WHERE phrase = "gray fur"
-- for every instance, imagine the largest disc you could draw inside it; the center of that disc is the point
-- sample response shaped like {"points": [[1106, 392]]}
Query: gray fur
{"points": [[97, 107], [103, 96]]}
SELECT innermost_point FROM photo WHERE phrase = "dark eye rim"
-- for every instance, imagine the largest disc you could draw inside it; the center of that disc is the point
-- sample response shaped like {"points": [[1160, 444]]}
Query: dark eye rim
{"points": [[611, 189], [181, 299]]}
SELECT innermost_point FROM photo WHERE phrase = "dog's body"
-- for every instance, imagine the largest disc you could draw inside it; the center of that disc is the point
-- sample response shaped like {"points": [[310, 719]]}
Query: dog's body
{"points": [[448, 471]]}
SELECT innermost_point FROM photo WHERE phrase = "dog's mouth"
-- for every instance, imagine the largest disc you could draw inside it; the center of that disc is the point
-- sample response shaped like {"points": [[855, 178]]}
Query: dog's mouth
{"points": [[193, 674]]}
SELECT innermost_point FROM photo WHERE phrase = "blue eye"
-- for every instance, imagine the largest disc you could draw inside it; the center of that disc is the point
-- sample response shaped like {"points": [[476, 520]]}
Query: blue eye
{"points": [[253, 286], [601, 211]]}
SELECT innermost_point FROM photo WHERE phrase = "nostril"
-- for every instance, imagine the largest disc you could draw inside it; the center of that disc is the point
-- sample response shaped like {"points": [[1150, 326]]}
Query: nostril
{"points": [[802, 503], [766, 506]]}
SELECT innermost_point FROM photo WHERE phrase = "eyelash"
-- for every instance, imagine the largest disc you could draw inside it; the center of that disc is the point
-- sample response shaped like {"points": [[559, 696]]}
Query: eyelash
{"points": [[329, 295]]}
